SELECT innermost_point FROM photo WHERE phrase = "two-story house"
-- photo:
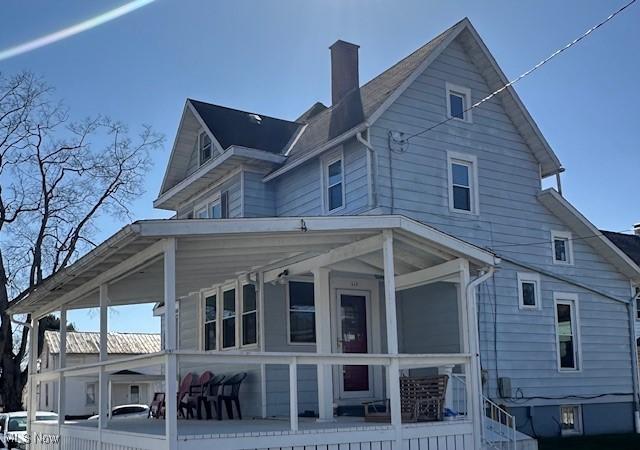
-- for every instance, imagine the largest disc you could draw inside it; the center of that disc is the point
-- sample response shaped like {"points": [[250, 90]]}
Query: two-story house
{"points": [[397, 233]]}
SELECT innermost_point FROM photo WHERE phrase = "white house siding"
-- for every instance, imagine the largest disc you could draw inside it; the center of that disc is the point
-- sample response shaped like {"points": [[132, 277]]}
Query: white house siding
{"points": [[298, 193], [513, 223], [233, 185]]}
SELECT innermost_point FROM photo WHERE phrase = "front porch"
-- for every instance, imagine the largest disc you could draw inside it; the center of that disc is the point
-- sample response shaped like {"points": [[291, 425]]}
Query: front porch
{"points": [[323, 314]]}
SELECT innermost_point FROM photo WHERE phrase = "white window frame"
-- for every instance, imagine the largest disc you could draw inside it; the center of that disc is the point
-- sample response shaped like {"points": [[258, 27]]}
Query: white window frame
{"points": [[460, 91], [470, 161], [564, 298], [243, 313], [562, 235], [131, 386], [223, 289], [530, 277], [203, 318], [577, 425], [635, 291], [205, 205], [324, 181], [288, 311], [200, 133], [86, 393]]}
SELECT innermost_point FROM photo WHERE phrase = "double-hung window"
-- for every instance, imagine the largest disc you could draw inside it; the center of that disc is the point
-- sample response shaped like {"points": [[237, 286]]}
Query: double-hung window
{"points": [[134, 393], [529, 290], [333, 182], [562, 247], [229, 318], [458, 102], [567, 332], [210, 319], [204, 147], [302, 316], [90, 393], [463, 191], [249, 315], [217, 207]]}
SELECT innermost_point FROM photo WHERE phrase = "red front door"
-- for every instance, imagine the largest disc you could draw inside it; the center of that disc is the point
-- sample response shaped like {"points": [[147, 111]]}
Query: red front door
{"points": [[354, 339]]}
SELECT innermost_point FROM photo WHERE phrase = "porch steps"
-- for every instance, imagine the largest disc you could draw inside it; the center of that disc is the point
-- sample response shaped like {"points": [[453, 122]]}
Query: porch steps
{"points": [[496, 438]]}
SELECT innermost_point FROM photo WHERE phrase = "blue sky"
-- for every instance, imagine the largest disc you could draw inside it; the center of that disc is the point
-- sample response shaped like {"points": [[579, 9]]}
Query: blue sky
{"points": [[272, 57]]}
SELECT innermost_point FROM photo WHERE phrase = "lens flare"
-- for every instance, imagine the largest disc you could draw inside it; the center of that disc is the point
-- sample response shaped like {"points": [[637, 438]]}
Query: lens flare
{"points": [[74, 29]]}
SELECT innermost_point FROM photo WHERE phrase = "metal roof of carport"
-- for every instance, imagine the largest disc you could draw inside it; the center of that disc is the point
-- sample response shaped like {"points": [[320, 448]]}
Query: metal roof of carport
{"points": [[210, 251]]}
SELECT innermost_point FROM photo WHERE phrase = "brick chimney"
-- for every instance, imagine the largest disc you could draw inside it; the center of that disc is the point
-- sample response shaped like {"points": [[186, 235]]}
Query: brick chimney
{"points": [[636, 229], [344, 69]]}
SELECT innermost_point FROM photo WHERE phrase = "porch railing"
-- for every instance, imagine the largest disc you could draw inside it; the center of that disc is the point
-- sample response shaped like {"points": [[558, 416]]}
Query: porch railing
{"points": [[498, 427]]}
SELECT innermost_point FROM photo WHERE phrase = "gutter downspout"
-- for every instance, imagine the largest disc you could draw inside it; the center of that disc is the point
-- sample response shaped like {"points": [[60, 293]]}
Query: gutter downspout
{"points": [[474, 340], [372, 165], [634, 361]]}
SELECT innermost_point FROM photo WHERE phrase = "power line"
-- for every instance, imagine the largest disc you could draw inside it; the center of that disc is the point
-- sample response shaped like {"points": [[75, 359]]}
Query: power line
{"points": [[589, 236], [530, 71]]}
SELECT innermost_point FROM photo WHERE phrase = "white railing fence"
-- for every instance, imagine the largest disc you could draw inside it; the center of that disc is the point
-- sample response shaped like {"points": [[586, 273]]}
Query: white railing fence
{"points": [[498, 427], [458, 392]]}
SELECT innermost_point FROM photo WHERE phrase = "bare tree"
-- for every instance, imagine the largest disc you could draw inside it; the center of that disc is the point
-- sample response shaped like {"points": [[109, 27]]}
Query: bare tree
{"points": [[57, 177]]}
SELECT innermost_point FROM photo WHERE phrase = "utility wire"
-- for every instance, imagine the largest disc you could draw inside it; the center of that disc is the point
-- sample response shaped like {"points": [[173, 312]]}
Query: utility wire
{"points": [[530, 71], [589, 236]]}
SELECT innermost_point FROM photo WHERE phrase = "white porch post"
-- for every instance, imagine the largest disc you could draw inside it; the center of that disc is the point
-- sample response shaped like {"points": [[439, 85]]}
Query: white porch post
{"points": [[321, 294], [473, 376], [103, 379], [393, 372], [262, 344], [293, 393], [62, 364], [448, 396], [171, 363], [33, 369]]}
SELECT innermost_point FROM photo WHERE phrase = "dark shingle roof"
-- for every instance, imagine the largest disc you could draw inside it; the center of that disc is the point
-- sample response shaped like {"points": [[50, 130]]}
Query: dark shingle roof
{"points": [[360, 104], [246, 129], [628, 243]]}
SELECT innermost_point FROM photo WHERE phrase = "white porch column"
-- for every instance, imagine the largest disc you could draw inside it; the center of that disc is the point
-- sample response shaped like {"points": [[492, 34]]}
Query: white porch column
{"points": [[261, 343], [103, 378], [448, 396], [171, 362], [393, 371], [33, 369], [62, 364], [293, 393], [322, 299]]}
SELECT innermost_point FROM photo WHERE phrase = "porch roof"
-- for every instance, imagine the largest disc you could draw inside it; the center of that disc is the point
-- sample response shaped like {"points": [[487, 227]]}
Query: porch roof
{"points": [[211, 251]]}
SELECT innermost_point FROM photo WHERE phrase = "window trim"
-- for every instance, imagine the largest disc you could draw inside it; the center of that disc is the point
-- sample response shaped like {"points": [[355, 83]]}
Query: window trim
{"points": [[288, 310], [470, 161], [201, 132], [466, 93], [206, 205], [131, 386], [577, 430], [242, 314], [562, 235], [203, 318], [529, 277], [324, 181], [564, 298]]}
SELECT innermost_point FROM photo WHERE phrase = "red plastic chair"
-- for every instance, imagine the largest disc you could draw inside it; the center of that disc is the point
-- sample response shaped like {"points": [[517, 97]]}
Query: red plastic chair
{"points": [[191, 400]]}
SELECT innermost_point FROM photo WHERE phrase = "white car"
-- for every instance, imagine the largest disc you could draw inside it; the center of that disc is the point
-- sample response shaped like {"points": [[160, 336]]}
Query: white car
{"points": [[13, 427], [127, 412]]}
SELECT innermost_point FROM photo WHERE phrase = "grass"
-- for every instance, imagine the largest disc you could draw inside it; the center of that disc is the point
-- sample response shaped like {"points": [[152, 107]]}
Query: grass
{"points": [[602, 442]]}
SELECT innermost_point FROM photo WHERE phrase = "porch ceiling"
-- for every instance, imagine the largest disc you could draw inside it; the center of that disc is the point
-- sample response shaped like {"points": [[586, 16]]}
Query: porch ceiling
{"points": [[213, 251]]}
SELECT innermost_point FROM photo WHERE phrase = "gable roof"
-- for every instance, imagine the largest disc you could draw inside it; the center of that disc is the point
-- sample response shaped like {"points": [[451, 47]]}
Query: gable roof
{"points": [[628, 243], [586, 231], [245, 129], [88, 343], [362, 107]]}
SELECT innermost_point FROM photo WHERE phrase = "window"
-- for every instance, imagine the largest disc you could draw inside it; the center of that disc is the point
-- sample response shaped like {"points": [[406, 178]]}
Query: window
{"points": [[134, 393], [90, 391], [333, 181], [637, 294], [204, 147], [229, 318], [562, 247], [570, 419], [566, 330], [302, 316], [458, 102], [529, 290], [46, 395], [210, 316], [215, 208], [463, 196], [249, 315]]}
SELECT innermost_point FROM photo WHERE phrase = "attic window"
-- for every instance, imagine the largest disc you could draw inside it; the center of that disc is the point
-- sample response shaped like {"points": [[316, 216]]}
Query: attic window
{"points": [[458, 102], [204, 146]]}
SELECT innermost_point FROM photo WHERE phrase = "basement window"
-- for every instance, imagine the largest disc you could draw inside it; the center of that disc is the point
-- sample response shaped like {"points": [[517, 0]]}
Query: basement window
{"points": [[458, 102], [570, 420]]}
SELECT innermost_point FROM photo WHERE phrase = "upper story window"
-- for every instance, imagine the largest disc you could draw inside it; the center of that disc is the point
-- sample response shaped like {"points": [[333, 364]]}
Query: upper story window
{"points": [[249, 315], [210, 319], [567, 332], [333, 183], [529, 290], [302, 315], [229, 318], [637, 294], [458, 102], [463, 190], [562, 247], [217, 207], [205, 147]]}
